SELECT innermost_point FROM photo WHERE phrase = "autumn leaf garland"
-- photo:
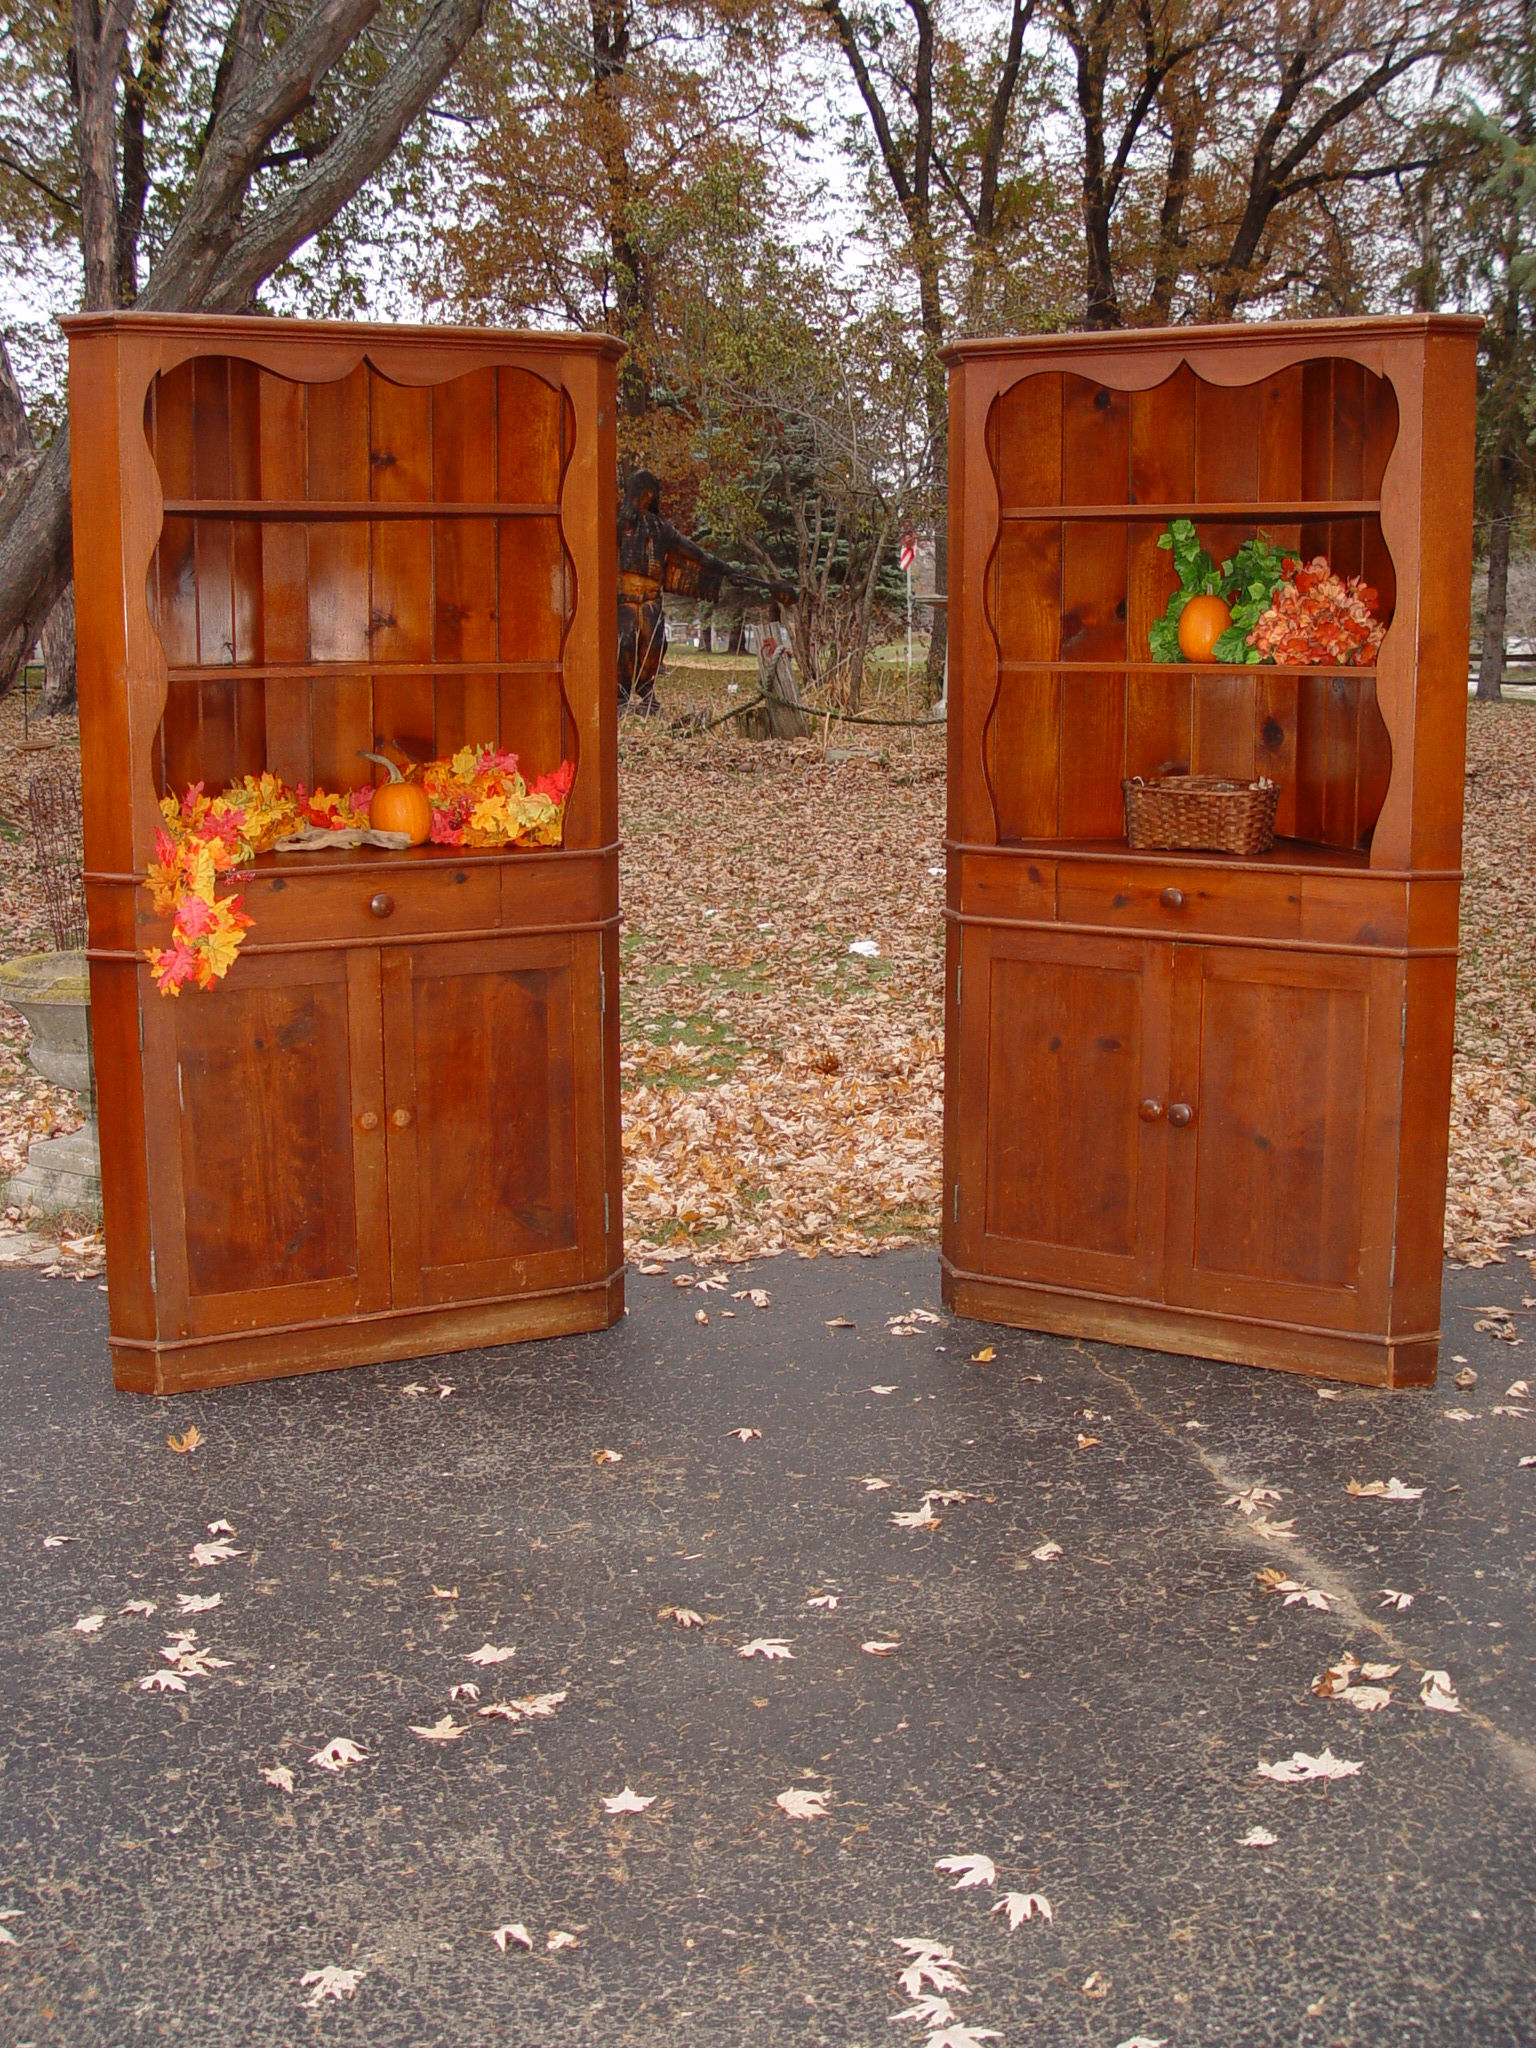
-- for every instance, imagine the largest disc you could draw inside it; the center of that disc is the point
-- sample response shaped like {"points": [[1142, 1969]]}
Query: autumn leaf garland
{"points": [[478, 796]]}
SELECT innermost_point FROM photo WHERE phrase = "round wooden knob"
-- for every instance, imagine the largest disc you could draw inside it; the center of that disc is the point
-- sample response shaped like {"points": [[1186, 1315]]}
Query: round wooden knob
{"points": [[369, 1120], [1172, 899], [400, 1118], [382, 904], [1150, 1111], [1180, 1114]]}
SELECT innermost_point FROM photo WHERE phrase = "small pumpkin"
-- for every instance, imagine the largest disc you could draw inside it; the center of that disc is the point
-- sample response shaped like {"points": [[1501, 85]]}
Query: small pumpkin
{"points": [[398, 805], [1201, 624]]}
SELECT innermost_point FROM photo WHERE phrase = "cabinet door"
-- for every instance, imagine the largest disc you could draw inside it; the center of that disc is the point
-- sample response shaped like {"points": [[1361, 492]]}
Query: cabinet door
{"points": [[493, 1087], [1063, 1072], [1280, 1181], [268, 1166]]}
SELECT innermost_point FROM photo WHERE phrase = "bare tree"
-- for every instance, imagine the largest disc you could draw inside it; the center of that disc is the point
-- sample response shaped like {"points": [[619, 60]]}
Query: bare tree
{"points": [[225, 240]]}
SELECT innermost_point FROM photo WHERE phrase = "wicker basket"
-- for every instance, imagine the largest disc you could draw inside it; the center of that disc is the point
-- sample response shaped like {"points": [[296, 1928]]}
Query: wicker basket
{"points": [[1200, 813]]}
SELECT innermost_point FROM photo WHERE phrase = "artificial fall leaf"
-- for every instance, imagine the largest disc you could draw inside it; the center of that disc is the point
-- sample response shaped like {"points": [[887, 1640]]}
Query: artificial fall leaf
{"points": [[1390, 1597], [197, 1603], [280, 1776], [331, 1982], [1258, 1838], [985, 1355], [685, 1617], [1044, 1552], [827, 1600], [187, 1441], [916, 1518], [513, 1931], [767, 1647], [558, 1939], [88, 1624], [220, 1528], [488, 1653], [1251, 1500], [218, 1551], [1297, 1768], [628, 1802], [467, 1691], [744, 1436], [1384, 1489], [607, 1457], [879, 1649], [801, 1804], [337, 1754], [145, 1607], [445, 1730], [1438, 1694], [1022, 1906], [162, 1681], [968, 1871]]}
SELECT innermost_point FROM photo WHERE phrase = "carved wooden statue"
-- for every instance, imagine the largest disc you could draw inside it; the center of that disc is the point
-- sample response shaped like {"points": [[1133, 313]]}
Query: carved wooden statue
{"points": [[654, 559]]}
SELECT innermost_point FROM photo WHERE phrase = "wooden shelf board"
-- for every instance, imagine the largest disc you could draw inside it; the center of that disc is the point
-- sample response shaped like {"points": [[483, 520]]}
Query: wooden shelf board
{"points": [[317, 671], [1226, 509], [303, 509], [1182, 668], [1298, 854]]}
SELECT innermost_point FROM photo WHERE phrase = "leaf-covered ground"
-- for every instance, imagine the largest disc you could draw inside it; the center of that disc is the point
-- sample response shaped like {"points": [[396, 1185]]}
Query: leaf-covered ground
{"points": [[784, 1092]]}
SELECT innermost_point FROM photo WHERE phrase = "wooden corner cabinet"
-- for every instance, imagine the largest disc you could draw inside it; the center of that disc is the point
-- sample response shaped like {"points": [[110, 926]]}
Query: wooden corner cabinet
{"points": [[1195, 1102], [393, 1128]]}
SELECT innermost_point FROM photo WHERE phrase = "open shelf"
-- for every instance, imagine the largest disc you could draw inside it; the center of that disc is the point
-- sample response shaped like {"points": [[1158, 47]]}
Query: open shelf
{"points": [[1300, 855], [1239, 509], [1186, 668], [222, 671]]}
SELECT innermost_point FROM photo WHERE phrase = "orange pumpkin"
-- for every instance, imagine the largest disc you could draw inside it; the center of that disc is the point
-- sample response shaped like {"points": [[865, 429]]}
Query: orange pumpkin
{"points": [[1201, 624], [398, 805]]}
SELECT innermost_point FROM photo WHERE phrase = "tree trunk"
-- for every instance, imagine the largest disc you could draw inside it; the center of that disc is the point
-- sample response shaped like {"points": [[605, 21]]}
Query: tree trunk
{"points": [[59, 691], [1490, 669], [779, 716]]}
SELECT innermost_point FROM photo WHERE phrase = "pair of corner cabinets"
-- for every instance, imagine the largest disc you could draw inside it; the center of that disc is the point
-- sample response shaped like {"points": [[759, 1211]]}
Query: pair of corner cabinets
{"points": [[1192, 1102]]}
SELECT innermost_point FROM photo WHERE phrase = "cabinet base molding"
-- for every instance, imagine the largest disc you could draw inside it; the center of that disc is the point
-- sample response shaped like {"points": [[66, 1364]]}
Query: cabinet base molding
{"points": [[1366, 1360], [179, 1366]]}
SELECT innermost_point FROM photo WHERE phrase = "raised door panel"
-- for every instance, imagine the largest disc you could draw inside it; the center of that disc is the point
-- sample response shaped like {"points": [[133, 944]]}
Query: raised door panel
{"points": [[273, 1202], [1280, 1178], [493, 1088], [1064, 1049]]}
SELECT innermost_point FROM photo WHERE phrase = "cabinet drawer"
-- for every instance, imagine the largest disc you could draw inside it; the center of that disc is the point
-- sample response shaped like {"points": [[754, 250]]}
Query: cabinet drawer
{"points": [[1141, 897], [371, 905], [1342, 910], [1007, 886]]}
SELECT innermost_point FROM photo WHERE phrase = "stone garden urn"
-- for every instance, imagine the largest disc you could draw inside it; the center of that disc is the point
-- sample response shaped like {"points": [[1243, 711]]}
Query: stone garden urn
{"points": [[53, 992]]}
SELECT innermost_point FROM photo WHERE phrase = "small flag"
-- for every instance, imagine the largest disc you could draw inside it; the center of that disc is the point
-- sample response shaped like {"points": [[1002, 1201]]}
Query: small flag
{"points": [[908, 550]]}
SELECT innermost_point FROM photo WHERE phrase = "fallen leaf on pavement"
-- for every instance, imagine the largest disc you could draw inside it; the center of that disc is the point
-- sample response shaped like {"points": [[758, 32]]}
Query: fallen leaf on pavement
{"points": [[1390, 1597], [767, 1647], [198, 1603], [488, 1653], [215, 1552], [58, 1542], [916, 1518], [331, 1983], [827, 1600], [280, 1776], [685, 1617], [1044, 1552], [513, 1931], [187, 1441], [162, 1681], [445, 1730], [1274, 1532], [1088, 1443], [882, 1390], [607, 1457], [338, 1753], [840, 1323], [879, 1649], [558, 1939], [1258, 1838], [1022, 1906], [744, 1436], [968, 1871], [930, 2009], [800, 1804], [1466, 1379], [445, 1592], [467, 1691], [1437, 1693], [627, 1802], [88, 1624], [1384, 1489], [700, 1315], [1298, 1767], [145, 1607], [1251, 1500], [875, 1485], [985, 1355], [220, 1528]]}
